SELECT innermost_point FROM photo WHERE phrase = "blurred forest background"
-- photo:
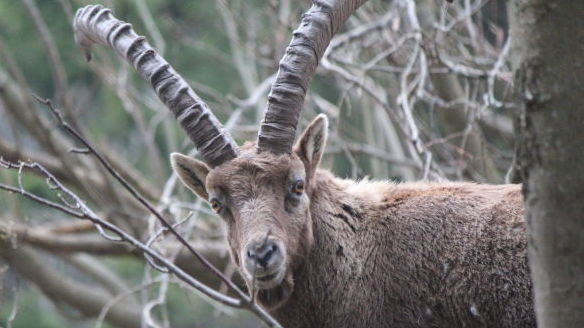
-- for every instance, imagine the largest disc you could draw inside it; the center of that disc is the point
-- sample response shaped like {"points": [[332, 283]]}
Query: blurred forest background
{"points": [[413, 90]]}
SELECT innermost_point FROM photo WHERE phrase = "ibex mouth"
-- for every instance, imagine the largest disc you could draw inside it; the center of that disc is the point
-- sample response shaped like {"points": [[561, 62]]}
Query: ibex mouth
{"points": [[269, 280], [268, 277]]}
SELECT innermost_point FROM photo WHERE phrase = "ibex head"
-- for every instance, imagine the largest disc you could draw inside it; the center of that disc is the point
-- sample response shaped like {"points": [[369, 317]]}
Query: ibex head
{"points": [[264, 200], [262, 192]]}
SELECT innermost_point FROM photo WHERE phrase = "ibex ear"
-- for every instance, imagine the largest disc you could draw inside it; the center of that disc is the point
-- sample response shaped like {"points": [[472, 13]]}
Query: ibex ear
{"points": [[310, 146], [192, 172]]}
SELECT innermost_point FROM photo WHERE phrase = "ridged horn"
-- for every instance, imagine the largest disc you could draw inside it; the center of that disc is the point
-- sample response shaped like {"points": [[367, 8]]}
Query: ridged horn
{"points": [[296, 69], [96, 24]]}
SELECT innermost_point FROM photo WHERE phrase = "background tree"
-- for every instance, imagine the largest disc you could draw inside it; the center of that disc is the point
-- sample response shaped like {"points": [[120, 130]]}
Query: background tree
{"points": [[414, 89], [549, 66]]}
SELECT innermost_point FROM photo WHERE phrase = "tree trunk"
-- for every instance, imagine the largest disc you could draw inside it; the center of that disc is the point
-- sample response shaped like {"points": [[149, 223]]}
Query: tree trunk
{"points": [[548, 59]]}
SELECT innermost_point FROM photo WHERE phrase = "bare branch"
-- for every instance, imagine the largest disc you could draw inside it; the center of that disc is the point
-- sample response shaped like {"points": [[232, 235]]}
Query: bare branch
{"points": [[83, 212], [86, 300], [137, 196], [59, 73], [14, 310], [80, 210]]}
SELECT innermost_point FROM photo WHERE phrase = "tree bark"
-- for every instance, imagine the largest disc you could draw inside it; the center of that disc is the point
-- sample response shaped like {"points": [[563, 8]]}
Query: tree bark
{"points": [[548, 60]]}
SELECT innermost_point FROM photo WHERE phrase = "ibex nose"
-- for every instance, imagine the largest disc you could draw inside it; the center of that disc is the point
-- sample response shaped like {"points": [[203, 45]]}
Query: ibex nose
{"points": [[262, 251]]}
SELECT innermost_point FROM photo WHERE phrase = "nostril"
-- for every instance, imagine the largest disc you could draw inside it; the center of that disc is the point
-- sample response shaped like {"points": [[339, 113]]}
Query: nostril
{"points": [[268, 255], [261, 253]]}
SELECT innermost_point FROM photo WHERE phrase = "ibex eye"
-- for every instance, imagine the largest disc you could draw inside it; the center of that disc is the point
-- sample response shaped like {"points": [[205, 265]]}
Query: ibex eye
{"points": [[215, 205], [298, 187]]}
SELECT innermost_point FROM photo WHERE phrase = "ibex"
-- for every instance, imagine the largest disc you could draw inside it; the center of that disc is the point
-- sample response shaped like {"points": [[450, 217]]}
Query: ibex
{"points": [[329, 252]]}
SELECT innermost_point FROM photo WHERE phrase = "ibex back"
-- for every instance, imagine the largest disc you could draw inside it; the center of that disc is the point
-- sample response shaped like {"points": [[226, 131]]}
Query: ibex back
{"points": [[327, 252]]}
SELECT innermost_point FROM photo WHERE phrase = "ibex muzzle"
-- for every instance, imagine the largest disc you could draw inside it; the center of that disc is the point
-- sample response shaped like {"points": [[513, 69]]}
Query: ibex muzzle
{"points": [[265, 262]]}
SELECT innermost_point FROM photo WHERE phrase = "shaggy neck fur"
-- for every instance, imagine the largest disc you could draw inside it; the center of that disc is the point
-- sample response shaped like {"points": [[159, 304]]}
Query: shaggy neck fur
{"points": [[412, 255]]}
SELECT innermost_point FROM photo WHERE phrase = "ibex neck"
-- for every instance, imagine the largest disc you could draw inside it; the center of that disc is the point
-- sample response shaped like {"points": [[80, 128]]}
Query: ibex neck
{"points": [[338, 213]]}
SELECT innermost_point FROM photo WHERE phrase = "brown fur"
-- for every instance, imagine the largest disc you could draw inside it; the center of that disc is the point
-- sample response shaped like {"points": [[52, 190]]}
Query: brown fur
{"points": [[376, 254], [423, 255]]}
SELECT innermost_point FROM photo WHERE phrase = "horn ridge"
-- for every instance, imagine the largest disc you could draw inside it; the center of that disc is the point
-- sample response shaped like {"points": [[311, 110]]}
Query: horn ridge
{"points": [[296, 69], [96, 24]]}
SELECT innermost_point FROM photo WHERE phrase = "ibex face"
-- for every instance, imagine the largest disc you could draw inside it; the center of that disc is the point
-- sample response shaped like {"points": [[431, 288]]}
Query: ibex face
{"points": [[264, 200]]}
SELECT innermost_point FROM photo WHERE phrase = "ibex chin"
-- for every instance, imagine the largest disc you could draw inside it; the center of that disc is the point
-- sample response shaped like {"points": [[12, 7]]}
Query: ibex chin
{"points": [[329, 252]]}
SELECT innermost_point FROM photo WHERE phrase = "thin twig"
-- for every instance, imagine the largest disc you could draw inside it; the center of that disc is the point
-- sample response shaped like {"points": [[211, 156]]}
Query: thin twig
{"points": [[82, 211], [137, 195], [101, 317], [78, 208], [156, 235], [14, 311]]}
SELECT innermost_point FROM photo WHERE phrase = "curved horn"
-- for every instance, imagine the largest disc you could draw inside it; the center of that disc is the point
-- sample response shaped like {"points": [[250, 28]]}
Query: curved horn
{"points": [[297, 67], [96, 24]]}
